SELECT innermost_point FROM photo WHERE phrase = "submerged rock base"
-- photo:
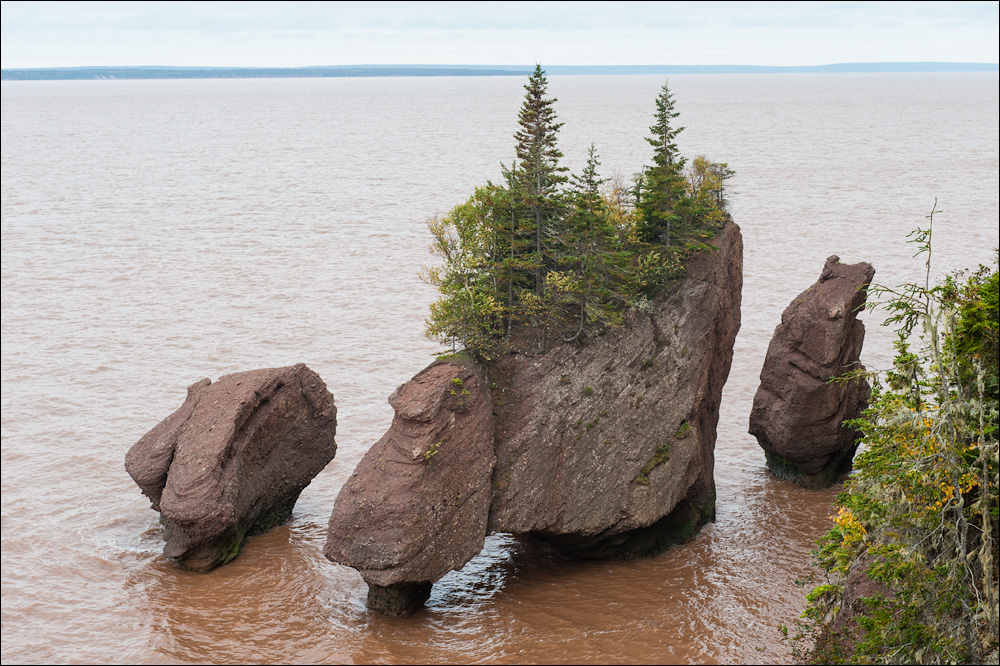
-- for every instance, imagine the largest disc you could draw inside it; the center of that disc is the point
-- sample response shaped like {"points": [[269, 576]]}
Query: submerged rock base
{"points": [[679, 526], [836, 468], [400, 600]]}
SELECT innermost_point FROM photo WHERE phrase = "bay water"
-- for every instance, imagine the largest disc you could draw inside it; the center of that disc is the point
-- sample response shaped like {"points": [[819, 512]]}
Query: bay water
{"points": [[158, 232]]}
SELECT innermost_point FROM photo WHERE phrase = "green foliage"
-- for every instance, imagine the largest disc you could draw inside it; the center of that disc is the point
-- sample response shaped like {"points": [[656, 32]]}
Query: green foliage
{"points": [[432, 451], [544, 257], [919, 515], [661, 455]]}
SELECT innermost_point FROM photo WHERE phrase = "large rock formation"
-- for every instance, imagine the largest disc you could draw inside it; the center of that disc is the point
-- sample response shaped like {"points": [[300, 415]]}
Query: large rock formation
{"points": [[798, 413], [416, 506], [605, 449], [233, 459]]}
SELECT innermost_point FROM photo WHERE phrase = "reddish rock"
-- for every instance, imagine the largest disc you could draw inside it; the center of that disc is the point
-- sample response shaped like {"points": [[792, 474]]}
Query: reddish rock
{"points": [[607, 449], [416, 506], [798, 413], [604, 449], [233, 459]]}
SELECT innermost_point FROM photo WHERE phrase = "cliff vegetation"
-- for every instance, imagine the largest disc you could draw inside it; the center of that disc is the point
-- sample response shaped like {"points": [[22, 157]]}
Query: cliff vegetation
{"points": [[544, 256], [911, 559]]}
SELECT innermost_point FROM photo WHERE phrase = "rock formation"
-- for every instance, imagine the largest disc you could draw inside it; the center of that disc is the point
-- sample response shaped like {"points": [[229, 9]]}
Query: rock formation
{"points": [[798, 413], [416, 506], [233, 459], [607, 450], [604, 450]]}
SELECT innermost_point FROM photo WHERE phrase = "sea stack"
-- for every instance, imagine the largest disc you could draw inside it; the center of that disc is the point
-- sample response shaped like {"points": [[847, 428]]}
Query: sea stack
{"points": [[605, 449], [232, 461], [798, 412]]}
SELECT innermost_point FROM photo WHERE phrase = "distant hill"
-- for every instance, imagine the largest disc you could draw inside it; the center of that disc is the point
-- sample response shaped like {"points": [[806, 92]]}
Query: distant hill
{"points": [[77, 73], [167, 72]]}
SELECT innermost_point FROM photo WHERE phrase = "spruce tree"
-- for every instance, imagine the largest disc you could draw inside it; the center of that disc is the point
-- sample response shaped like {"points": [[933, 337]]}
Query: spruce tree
{"points": [[663, 186], [537, 176], [593, 252]]}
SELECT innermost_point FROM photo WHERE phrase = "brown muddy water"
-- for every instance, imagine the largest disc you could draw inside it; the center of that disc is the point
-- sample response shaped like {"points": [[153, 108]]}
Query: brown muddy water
{"points": [[158, 232]]}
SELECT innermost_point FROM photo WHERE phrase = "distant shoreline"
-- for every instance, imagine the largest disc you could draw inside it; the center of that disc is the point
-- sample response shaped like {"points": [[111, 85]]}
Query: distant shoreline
{"points": [[168, 72]]}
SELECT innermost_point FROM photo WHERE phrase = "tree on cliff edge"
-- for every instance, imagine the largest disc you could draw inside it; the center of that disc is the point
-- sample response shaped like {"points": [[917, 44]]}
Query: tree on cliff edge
{"points": [[662, 186]]}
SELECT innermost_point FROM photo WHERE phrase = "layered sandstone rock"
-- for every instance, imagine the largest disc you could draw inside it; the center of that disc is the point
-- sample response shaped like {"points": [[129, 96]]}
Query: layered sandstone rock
{"points": [[604, 449], [607, 450], [233, 459], [416, 506], [798, 413]]}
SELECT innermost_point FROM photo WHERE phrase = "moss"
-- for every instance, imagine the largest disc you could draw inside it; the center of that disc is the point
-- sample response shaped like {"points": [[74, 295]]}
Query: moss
{"points": [[463, 357], [683, 430], [587, 391], [661, 455], [781, 467], [229, 549]]}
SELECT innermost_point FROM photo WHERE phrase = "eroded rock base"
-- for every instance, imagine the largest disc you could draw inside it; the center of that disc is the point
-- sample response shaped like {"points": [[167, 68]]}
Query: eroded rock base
{"points": [[834, 471], [679, 526], [400, 600]]}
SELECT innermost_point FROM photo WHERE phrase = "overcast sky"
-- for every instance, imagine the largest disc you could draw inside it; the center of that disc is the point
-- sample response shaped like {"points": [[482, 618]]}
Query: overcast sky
{"points": [[288, 34]]}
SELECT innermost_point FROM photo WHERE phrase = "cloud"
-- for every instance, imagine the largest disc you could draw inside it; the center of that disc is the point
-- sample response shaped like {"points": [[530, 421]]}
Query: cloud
{"points": [[306, 33]]}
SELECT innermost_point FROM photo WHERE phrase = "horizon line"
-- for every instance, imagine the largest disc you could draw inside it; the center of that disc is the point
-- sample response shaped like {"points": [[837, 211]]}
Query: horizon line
{"points": [[82, 72]]}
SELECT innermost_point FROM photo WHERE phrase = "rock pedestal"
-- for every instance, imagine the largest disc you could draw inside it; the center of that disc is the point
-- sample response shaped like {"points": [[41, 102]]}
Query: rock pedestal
{"points": [[233, 459], [416, 506], [798, 413]]}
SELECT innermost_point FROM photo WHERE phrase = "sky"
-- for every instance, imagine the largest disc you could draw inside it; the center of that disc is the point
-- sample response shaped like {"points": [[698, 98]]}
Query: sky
{"points": [[295, 34]]}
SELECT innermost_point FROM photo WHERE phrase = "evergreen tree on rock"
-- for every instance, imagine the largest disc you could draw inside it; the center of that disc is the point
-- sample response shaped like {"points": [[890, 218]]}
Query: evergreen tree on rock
{"points": [[537, 176], [663, 188]]}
